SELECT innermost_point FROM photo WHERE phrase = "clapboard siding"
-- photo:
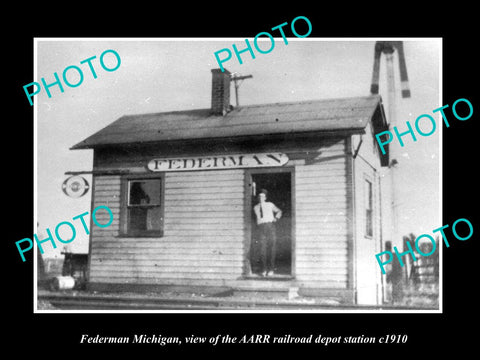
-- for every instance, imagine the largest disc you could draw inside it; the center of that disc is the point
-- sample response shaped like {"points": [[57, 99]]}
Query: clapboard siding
{"points": [[170, 257], [204, 227], [203, 232], [321, 228]]}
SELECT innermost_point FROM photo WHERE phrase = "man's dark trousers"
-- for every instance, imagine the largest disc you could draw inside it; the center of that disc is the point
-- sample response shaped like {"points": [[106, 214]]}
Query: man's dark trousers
{"points": [[268, 242]]}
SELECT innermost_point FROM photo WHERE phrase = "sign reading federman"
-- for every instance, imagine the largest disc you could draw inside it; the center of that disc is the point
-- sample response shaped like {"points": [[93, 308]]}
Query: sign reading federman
{"points": [[218, 162]]}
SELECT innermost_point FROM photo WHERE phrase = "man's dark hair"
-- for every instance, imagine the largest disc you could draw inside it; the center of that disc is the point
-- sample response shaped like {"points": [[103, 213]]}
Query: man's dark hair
{"points": [[263, 191]]}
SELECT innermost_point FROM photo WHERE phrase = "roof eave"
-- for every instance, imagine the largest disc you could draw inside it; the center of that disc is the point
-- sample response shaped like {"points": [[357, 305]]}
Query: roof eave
{"points": [[380, 124], [322, 133]]}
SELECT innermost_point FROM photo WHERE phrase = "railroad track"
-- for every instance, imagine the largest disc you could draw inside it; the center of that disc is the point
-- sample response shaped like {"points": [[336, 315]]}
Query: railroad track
{"points": [[65, 301]]}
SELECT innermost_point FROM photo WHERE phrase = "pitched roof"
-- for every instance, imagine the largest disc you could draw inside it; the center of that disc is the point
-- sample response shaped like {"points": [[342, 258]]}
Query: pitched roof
{"points": [[345, 114]]}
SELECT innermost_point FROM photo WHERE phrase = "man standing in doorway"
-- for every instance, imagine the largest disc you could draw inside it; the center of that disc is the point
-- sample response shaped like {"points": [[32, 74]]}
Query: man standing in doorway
{"points": [[267, 214]]}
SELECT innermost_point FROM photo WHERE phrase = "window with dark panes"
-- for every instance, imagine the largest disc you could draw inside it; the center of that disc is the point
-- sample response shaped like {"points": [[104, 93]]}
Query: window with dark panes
{"points": [[368, 208], [144, 213]]}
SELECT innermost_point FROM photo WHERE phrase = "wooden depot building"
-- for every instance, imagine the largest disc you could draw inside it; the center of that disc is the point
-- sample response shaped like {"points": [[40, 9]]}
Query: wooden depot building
{"points": [[182, 186]]}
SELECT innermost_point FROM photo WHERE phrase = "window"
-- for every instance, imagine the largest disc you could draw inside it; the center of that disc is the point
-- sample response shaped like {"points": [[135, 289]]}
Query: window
{"points": [[368, 208], [143, 207]]}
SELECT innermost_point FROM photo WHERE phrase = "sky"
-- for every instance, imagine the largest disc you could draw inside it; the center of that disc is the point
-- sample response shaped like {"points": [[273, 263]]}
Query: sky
{"points": [[157, 75]]}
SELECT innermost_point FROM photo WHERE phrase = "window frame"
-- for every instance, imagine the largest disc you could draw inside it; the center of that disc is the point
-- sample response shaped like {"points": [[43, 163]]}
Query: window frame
{"points": [[368, 207], [124, 205]]}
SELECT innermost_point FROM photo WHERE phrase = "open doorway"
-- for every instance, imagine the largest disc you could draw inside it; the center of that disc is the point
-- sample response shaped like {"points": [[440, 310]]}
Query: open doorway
{"points": [[279, 186]]}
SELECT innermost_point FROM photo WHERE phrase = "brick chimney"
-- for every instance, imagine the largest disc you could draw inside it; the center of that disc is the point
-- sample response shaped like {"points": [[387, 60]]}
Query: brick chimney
{"points": [[220, 91]]}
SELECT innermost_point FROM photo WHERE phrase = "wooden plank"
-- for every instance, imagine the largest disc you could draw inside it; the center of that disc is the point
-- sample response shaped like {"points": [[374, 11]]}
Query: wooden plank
{"points": [[322, 159], [206, 184], [331, 278], [212, 212], [182, 264], [174, 256], [323, 261], [167, 273], [183, 247], [212, 191], [223, 247], [107, 181], [169, 263], [233, 281], [171, 241], [313, 223], [111, 230], [318, 147], [219, 236], [113, 195], [314, 184], [310, 231], [204, 228], [321, 215], [202, 196], [163, 281], [218, 175], [330, 175], [167, 279], [106, 252], [169, 202], [173, 274], [335, 198], [321, 193], [110, 191], [320, 253], [319, 167], [166, 239], [102, 213], [107, 233], [338, 206], [191, 219], [325, 284], [174, 253], [319, 248], [104, 220], [205, 232], [186, 251], [190, 226], [327, 265], [111, 203], [107, 190], [321, 170], [305, 243], [323, 273]]}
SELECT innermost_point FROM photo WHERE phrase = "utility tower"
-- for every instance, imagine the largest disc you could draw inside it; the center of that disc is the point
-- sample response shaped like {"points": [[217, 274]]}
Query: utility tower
{"points": [[388, 48]]}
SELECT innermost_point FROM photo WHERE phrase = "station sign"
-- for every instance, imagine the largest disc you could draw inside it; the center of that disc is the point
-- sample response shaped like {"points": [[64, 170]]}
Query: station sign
{"points": [[218, 162]]}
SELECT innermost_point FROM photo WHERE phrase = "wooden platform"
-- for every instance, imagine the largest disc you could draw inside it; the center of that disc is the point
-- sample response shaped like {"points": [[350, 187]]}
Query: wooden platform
{"points": [[129, 302]]}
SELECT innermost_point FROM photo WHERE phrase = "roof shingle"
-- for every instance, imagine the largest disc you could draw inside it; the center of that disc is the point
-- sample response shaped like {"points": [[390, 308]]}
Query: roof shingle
{"points": [[345, 114]]}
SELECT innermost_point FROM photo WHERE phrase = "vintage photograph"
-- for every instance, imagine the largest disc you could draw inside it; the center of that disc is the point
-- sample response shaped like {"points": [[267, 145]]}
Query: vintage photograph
{"points": [[168, 182]]}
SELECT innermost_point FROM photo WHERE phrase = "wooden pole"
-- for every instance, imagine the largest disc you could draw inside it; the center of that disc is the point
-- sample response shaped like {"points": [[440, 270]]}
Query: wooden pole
{"points": [[236, 79]]}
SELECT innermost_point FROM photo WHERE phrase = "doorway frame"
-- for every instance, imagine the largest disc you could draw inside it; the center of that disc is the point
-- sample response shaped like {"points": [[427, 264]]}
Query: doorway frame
{"points": [[247, 271]]}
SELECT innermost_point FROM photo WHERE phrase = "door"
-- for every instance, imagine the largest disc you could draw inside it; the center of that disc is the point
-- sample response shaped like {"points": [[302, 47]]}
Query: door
{"points": [[278, 183]]}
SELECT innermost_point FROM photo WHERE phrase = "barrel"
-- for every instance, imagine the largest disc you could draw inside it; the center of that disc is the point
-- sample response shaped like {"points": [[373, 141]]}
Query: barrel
{"points": [[63, 283]]}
